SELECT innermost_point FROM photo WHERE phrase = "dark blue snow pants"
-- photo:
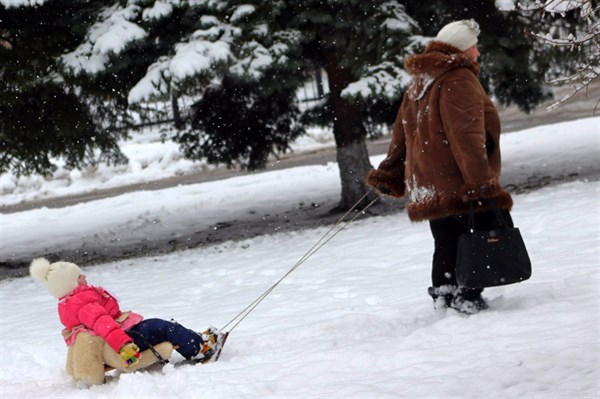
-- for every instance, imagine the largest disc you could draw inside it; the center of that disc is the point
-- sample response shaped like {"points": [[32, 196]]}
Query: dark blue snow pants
{"points": [[154, 331]]}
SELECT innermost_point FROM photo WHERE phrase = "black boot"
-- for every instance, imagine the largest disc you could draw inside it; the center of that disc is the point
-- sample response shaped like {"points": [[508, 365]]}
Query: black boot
{"points": [[468, 300], [442, 295]]}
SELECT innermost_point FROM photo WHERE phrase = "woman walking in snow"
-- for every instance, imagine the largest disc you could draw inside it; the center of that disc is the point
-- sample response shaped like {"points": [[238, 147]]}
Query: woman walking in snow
{"points": [[83, 307], [445, 153]]}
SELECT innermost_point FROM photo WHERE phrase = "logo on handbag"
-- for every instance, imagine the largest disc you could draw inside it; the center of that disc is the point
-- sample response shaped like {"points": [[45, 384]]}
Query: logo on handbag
{"points": [[492, 236]]}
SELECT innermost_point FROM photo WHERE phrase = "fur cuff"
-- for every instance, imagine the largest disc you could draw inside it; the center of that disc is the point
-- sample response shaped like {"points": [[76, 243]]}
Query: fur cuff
{"points": [[386, 182], [484, 190]]}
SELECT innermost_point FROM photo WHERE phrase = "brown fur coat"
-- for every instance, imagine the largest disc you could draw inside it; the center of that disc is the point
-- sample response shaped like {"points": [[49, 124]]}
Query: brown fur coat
{"points": [[445, 146]]}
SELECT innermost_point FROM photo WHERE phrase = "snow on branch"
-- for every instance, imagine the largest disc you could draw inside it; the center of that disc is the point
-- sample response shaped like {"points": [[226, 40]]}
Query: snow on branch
{"points": [[242, 12], [385, 80], [195, 57], [254, 58], [110, 36], [191, 59], [570, 40], [159, 10], [22, 3], [558, 6], [398, 20], [155, 83], [580, 81]]}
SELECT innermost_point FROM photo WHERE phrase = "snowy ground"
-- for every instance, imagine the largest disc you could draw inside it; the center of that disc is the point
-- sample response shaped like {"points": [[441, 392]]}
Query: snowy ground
{"points": [[354, 321]]}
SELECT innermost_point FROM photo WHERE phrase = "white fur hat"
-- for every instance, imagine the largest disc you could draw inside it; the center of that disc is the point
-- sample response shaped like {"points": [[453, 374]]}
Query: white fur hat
{"points": [[460, 34], [60, 277]]}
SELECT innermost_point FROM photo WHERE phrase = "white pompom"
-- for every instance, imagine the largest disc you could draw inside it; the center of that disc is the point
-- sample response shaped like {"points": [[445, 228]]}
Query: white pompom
{"points": [[39, 269]]}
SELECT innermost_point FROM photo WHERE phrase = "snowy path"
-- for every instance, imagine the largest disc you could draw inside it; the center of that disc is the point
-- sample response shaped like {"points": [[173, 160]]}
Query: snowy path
{"points": [[151, 222]]}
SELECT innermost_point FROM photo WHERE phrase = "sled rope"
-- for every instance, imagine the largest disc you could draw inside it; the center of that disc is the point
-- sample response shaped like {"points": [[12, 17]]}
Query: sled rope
{"points": [[318, 245], [160, 359]]}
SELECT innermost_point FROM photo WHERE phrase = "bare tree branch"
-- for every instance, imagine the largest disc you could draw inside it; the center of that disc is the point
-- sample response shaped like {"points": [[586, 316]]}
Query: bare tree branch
{"points": [[571, 40], [584, 38]]}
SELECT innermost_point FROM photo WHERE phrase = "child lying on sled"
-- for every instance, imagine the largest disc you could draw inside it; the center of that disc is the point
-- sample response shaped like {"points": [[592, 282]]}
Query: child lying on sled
{"points": [[85, 308]]}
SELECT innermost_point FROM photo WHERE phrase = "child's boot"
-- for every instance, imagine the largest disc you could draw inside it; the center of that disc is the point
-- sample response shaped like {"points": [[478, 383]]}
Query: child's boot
{"points": [[211, 345]]}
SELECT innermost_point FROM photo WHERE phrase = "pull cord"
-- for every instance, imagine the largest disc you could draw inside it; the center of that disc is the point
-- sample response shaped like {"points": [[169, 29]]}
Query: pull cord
{"points": [[318, 245]]}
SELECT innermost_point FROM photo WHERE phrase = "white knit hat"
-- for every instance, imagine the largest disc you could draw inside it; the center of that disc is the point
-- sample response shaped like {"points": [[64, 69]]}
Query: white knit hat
{"points": [[460, 34], [60, 277]]}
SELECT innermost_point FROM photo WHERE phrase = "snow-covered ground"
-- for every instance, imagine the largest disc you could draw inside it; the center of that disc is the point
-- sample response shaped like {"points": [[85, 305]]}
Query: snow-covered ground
{"points": [[354, 320]]}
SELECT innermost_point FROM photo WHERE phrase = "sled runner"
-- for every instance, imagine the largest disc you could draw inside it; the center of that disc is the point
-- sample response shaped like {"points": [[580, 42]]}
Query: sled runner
{"points": [[220, 348]]}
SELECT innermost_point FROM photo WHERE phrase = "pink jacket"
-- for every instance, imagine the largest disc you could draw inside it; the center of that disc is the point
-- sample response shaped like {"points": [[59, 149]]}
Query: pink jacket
{"points": [[95, 310]]}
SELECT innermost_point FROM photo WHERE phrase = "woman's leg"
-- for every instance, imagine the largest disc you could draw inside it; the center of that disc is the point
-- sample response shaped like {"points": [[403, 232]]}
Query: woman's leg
{"points": [[154, 331], [445, 233]]}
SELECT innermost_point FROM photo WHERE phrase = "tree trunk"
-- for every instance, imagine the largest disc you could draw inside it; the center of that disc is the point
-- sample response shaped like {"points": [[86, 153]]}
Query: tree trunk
{"points": [[350, 137], [176, 112]]}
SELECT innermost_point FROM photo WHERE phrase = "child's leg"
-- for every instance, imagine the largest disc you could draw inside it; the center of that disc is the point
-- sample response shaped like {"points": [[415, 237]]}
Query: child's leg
{"points": [[155, 331]]}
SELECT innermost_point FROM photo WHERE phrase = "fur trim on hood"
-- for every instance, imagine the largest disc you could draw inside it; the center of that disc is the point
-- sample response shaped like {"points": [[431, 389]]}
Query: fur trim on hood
{"points": [[437, 59]]}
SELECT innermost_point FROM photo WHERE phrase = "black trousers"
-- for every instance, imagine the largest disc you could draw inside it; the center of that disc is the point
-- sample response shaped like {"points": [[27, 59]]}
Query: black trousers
{"points": [[445, 233]]}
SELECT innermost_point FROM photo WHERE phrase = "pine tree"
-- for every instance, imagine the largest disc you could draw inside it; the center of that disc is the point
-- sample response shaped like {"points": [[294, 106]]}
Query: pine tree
{"points": [[41, 115], [262, 50], [255, 52], [224, 73], [247, 108]]}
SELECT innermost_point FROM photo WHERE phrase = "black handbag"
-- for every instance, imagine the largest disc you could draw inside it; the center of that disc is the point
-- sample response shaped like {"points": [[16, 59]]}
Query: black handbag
{"points": [[488, 258]]}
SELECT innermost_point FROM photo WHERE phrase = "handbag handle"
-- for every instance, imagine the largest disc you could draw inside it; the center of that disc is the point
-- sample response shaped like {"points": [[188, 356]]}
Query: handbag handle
{"points": [[471, 225]]}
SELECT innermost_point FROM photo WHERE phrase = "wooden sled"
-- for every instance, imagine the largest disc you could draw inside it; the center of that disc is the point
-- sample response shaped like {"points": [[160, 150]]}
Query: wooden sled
{"points": [[90, 357]]}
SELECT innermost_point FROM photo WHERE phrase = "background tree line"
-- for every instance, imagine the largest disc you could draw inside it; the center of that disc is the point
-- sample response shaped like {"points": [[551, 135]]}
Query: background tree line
{"points": [[222, 75]]}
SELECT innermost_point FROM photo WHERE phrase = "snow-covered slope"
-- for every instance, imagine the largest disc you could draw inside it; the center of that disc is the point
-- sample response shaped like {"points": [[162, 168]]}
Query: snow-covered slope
{"points": [[354, 321]]}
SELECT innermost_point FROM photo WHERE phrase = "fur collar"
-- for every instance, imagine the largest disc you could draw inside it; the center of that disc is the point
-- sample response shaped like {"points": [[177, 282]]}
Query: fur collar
{"points": [[437, 59]]}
